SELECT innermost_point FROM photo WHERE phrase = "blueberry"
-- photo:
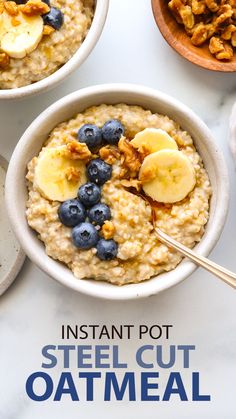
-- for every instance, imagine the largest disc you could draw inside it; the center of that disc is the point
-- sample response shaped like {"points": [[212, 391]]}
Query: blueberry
{"points": [[91, 135], [71, 213], [99, 214], [89, 194], [98, 171], [47, 2], [112, 131], [85, 236], [107, 249], [54, 18]]}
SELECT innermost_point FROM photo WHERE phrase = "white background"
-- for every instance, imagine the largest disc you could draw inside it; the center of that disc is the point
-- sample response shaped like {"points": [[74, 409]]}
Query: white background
{"points": [[201, 309]]}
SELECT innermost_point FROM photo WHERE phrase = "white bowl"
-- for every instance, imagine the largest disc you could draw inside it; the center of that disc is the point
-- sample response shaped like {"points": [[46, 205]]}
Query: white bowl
{"points": [[31, 143], [76, 60], [12, 256]]}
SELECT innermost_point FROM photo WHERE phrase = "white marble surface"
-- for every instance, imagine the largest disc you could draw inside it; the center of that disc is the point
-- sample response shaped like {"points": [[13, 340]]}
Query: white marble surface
{"points": [[201, 309]]}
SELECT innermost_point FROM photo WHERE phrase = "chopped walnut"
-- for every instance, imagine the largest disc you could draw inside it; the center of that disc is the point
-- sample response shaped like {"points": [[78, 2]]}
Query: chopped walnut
{"points": [[78, 151], [175, 6], [198, 7], [215, 45], [143, 149], [147, 174], [211, 30], [132, 183], [130, 159], [226, 54], [233, 5], [109, 154], [187, 16], [233, 39], [224, 14], [4, 60], [73, 174], [108, 230], [34, 8], [212, 5], [48, 30], [227, 32], [190, 31], [200, 35], [11, 8]]}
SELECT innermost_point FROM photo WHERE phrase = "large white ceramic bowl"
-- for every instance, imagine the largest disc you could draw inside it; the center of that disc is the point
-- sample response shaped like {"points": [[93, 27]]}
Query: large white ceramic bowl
{"points": [[31, 143], [76, 60]]}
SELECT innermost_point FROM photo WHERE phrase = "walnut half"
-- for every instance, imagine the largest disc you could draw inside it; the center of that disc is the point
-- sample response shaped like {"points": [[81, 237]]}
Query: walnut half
{"points": [[226, 54], [130, 159], [216, 45], [34, 8], [200, 35], [109, 154], [78, 151], [132, 183], [222, 50], [11, 7]]}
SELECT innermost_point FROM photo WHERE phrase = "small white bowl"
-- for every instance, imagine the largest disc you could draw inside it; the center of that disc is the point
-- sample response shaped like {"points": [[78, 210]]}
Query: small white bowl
{"points": [[31, 143], [76, 60], [11, 255]]}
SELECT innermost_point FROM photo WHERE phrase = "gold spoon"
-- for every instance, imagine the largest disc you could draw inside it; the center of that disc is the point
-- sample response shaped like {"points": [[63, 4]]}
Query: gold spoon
{"points": [[222, 273]]}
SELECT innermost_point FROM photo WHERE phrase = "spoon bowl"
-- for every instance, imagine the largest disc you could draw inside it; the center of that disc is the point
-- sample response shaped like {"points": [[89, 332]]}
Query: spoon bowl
{"points": [[224, 274], [178, 39]]}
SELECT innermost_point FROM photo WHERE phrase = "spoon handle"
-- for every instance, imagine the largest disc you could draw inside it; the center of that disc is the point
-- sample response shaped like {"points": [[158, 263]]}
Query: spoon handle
{"points": [[222, 273]]}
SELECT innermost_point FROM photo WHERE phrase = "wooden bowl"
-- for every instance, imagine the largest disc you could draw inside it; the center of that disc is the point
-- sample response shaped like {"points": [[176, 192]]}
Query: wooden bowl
{"points": [[177, 38]]}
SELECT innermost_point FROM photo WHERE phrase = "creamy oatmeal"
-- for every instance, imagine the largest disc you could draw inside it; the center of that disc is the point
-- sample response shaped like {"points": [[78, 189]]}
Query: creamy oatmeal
{"points": [[38, 37], [139, 254]]}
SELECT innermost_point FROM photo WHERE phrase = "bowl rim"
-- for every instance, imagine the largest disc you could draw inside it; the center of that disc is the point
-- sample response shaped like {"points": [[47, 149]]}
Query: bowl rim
{"points": [[92, 37], [18, 260], [60, 272], [182, 50]]}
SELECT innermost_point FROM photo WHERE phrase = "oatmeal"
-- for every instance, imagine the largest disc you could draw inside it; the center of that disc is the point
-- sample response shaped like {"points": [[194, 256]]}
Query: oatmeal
{"points": [[117, 244], [37, 37]]}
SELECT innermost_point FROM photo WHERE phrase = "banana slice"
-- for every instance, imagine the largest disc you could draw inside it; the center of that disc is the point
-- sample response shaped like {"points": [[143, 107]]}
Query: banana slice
{"points": [[151, 140], [167, 176], [58, 177], [18, 40]]}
